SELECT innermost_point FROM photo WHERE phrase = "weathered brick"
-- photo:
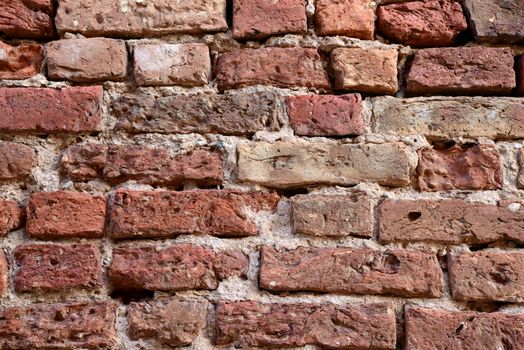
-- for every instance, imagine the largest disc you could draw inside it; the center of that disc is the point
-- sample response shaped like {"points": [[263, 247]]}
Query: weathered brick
{"points": [[486, 276], [232, 113], [278, 66], [4, 270], [174, 267], [172, 64], [353, 18], [27, 19], [496, 20], [406, 273], [20, 62], [11, 217], [366, 70], [88, 325], [450, 117], [56, 267], [136, 18], [259, 19], [45, 110], [16, 161], [461, 70], [326, 115], [171, 321], [285, 164], [147, 214], [461, 167], [434, 329], [249, 323], [333, 215], [87, 60], [450, 221], [422, 23], [65, 214], [156, 166]]}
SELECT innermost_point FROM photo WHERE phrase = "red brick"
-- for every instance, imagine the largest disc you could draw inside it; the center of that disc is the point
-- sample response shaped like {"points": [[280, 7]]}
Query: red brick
{"points": [[55, 267], [353, 18], [259, 19], [27, 19], [486, 276], [45, 110], [451, 221], [16, 161], [155, 166], [333, 215], [433, 329], [171, 321], [422, 23], [4, 270], [87, 60], [11, 217], [406, 273], [249, 323], [148, 214], [20, 62], [326, 115], [282, 67], [460, 167], [88, 325], [65, 214], [173, 268], [461, 70]]}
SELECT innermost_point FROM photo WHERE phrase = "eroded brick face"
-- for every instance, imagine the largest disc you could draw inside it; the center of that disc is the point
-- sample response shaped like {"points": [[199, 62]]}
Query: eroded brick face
{"points": [[20, 62], [16, 161], [27, 19], [11, 216], [353, 18]]}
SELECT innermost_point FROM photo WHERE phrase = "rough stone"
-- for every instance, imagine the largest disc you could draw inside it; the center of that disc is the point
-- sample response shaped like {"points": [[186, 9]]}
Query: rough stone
{"points": [[486, 276], [4, 270], [365, 70], [462, 70], [136, 18], [232, 113], [156, 214], [433, 329], [285, 164], [520, 177], [87, 60], [45, 110], [406, 273], [174, 268], [172, 64], [27, 19], [422, 23], [87, 325], [53, 267], [450, 117], [497, 20], [11, 217], [333, 215], [278, 66], [353, 18], [16, 161], [65, 214], [259, 19], [155, 166], [20, 62], [172, 321], [450, 221], [326, 115], [461, 167]]}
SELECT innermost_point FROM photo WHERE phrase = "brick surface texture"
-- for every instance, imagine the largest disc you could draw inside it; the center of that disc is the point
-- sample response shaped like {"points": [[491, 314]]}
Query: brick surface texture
{"points": [[272, 174]]}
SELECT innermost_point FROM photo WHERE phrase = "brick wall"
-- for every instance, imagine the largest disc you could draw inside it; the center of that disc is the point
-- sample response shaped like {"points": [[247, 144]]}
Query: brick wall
{"points": [[329, 174]]}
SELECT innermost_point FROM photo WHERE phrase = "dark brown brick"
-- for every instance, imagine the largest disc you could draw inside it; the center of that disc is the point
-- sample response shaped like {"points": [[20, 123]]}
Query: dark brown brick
{"points": [[65, 214], [55, 267], [11, 217], [89, 325], [173, 268], [406, 273], [248, 323], [147, 214], [27, 19], [16, 161]]}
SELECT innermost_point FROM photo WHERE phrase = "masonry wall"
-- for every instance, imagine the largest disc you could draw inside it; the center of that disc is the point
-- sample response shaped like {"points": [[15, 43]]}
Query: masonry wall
{"points": [[329, 174]]}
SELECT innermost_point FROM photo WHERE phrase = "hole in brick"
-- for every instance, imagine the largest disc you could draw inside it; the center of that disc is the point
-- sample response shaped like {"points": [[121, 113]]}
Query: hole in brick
{"points": [[486, 307], [292, 192], [414, 215], [59, 316], [53, 261], [126, 297]]}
